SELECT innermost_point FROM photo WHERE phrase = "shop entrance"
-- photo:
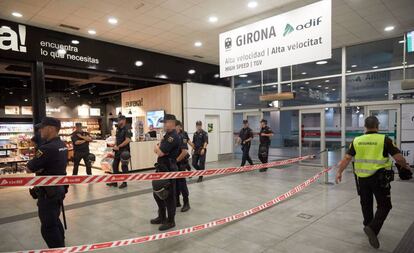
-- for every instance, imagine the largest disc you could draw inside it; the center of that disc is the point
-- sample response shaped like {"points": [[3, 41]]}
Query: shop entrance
{"points": [[312, 135], [389, 117], [213, 130]]}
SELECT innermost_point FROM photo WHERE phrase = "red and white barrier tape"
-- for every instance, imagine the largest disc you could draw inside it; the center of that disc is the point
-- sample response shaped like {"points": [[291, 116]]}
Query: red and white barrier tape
{"points": [[184, 231], [112, 178]]}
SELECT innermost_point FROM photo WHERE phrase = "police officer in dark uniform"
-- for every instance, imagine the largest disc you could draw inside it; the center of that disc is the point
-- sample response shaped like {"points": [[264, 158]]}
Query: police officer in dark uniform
{"points": [[373, 170], [123, 138], [245, 138], [199, 145], [165, 190], [183, 165], [80, 140], [51, 159], [265, 134], [37, 138]]}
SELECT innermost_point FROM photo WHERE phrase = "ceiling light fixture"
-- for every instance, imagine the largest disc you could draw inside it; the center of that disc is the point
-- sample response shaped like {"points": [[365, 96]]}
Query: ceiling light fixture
{"points": [[326, 88], [198, 44], [321, 62], [306, 82], [303, 73], [333, 89], [302, 88], [389, 28], [11, 92], [243, 75], [401, 41], [348, 71], [252, 4], [319, 86], [139, 63], [92, 32], [212, 19], [354, 66], [162, 76], [75, 42], [25, 100], [239, 104], [112, 21], [191, 72], [17, 14], [216, 75], [327, 81], [374, 67]]}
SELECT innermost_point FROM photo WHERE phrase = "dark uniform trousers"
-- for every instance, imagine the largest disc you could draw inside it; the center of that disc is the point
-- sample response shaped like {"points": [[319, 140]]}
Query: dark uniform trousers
{"points": [[368, 188], [49, 209], [182, 182], [77, 157], [264, 152], [117, 160], [246, 156], [170, 203], [199, 161]]}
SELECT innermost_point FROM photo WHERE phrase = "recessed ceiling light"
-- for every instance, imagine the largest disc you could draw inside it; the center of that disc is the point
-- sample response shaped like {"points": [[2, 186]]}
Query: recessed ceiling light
{"points": [[249, 81], [354, 66], [302, 88], [198, 44], [389, 28], [243, 75], [25, 100], [348, 71], [239, 104], [333, 89], [303, 73], [252, 4], [61, 51], [374, 67], [76, 42], [191, 72], [112, 21], [162, 76], [11, 92], [326, 88], [274, 86], [319, 86], [139, 63], [17, 14], [321, 62], [212, 19], [401, 41], [306, 82], [92, 32], [216, 76], [386, 94], [327, 81]]}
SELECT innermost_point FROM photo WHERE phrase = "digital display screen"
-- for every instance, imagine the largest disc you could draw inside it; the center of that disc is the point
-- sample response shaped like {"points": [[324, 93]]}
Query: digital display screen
{"points": [[410, 42], [154, 119]]}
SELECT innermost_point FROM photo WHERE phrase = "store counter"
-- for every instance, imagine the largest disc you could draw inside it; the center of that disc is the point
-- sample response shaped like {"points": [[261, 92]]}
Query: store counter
{"points": [[142, 154]]}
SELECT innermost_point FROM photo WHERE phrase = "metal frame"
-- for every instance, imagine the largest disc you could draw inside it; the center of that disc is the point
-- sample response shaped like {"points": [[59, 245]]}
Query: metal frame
{"points": [[388, 107]]}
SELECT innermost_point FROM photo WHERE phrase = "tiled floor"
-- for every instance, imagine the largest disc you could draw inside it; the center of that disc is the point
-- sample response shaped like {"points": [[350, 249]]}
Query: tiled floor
{"points": [[330, 218]]}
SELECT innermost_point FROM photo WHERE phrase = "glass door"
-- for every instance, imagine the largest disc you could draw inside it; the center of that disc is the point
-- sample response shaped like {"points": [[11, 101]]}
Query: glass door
{"points": [[312, 136], [390, 120]]}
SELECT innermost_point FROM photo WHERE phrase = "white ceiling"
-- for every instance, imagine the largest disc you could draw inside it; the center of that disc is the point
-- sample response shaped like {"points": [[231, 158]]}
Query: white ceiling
{"points": [[172, 26]]}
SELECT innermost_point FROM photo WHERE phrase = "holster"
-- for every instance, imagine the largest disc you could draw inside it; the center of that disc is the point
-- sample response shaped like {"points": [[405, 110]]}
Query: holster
{"points": [[385, 177]]}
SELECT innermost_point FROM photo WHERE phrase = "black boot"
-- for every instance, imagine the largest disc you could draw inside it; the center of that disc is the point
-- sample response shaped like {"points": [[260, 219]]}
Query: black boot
{"points": [[167, 225], [372, 237], [123, 185], [186, 205], [200, 179], [160, 219], [263, 170], [112, 184]]}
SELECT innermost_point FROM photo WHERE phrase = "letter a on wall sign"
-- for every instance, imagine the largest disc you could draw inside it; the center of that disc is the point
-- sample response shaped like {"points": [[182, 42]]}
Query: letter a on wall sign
{"points": [[8, 39]]}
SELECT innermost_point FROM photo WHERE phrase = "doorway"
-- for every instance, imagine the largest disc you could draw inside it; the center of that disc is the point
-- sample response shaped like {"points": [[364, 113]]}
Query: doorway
{"points": [[213, 130], [389, 117], [312, 135]]}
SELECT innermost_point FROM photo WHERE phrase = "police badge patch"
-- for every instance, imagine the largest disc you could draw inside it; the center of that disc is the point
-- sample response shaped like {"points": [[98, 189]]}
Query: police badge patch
{"points": [[170, 139]]}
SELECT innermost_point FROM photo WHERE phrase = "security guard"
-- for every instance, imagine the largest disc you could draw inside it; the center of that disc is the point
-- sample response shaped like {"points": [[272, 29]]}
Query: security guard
{"points": [[165, 190], [123, 138], [51, 159], [183, 165], [265, 134], [80, 140], [245, 139], [199, 145], [373, 170]]}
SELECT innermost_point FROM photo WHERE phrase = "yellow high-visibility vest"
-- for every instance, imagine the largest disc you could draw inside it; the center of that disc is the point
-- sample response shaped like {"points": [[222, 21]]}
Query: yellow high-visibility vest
{"points": [[369, 156]]}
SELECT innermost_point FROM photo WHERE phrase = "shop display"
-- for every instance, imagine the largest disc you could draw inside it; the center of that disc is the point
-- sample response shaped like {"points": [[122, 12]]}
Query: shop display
{"points": [[8, 130], [92, 126]]}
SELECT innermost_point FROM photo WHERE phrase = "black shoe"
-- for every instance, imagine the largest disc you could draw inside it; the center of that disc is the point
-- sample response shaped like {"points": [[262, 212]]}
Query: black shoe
{"points": [[123, 185], [112, 184], [186, 207], [200, 179], [178, 204], [158, 220], [263, 170], [372, 237], [166, 226]]}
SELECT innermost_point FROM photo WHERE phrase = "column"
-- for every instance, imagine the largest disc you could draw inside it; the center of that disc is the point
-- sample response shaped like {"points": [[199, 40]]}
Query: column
{"points": [[38, 92]]}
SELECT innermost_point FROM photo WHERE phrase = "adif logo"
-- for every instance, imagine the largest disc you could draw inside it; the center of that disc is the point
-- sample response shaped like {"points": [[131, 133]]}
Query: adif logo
{"points": [[9, 39], [227, 43], [288, 29]]}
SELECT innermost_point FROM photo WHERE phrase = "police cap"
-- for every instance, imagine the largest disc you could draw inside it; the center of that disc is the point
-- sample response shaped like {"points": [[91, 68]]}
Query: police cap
{"points": [[121, 117], [264, 121], [168, 117], [49, 121]]}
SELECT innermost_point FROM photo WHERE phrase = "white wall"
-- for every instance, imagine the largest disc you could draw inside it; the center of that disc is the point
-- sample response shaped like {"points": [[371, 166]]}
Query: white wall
{"points": [[203, 99]]}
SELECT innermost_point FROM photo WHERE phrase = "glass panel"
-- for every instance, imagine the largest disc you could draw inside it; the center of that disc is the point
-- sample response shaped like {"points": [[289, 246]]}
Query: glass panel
{"points": [[355, 117], [247, 80], [388, 122], [395, 91], [311, 135], [249, 98], [311, 69], [367, 87], [237, 122], [374, 55]]}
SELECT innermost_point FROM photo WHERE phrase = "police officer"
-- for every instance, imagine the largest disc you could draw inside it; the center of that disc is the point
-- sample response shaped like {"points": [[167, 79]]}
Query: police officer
{"points": [[183, 165], [37, 138], [199, 145], [165, 190], [80, 140], [373, 170], [245, 139], [265, 134], [51, 159], [123, 138]]}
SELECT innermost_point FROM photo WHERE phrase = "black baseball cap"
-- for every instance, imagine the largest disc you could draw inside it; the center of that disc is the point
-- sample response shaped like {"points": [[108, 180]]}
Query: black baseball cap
{"points": [[121, 117], [169, 117], [49, 121], [264, 121], [78, 124], [199, 123], [245, 121]]}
